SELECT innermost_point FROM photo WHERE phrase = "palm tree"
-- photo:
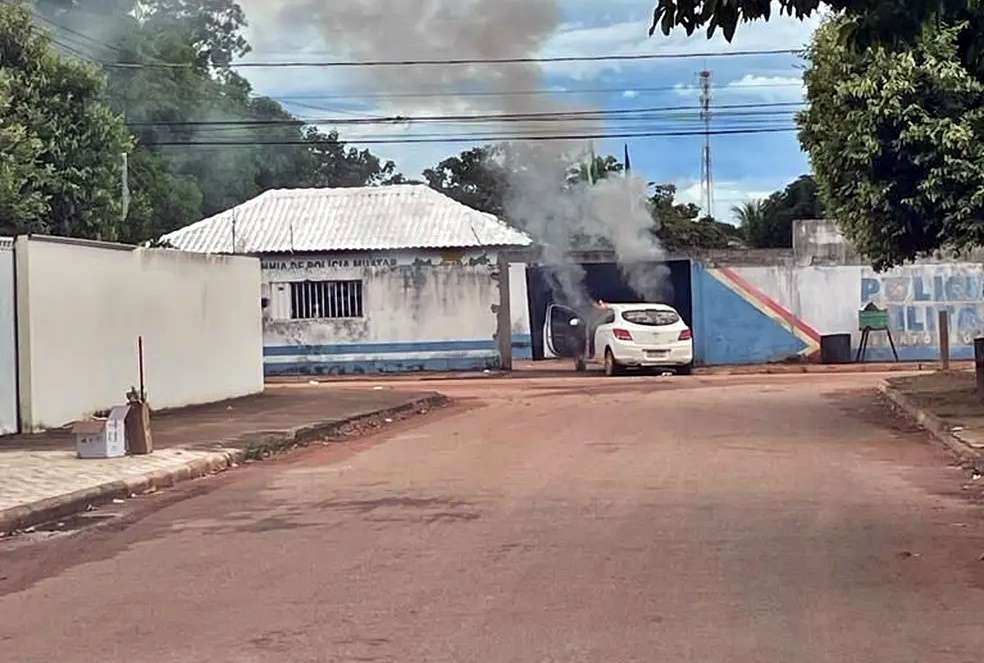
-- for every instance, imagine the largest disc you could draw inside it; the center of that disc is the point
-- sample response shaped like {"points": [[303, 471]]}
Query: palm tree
{"points": [[749, 213], [751, 219]]}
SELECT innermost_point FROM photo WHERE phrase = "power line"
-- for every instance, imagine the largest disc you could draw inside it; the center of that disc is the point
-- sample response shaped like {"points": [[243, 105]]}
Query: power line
{"points": [[470, 138], [522, 93], [71, 31], [574, 125], [75, 51], [625, 124], [471, 61], [552, 116]]}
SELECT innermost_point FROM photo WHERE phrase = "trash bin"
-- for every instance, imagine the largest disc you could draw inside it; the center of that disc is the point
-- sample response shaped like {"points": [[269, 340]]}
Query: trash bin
{"points": [[835, 349], [138, 438]]}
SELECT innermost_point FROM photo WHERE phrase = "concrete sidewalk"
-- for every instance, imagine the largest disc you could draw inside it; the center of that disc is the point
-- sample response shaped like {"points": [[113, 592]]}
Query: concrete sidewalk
{"points": [[43, 479], [946, 405]]}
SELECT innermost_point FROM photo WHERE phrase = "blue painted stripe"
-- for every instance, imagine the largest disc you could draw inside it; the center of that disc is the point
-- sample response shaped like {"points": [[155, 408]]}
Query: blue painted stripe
{"points": [[522, 345], [382, 366], [378, 348], [918, 353]]}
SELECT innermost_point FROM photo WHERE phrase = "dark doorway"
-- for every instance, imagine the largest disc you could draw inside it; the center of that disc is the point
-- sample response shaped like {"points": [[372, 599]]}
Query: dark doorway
{"points": [[604, 281]]}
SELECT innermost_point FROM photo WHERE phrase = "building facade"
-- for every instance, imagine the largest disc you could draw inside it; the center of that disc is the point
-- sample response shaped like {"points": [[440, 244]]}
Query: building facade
{"points": [[371, 280]]}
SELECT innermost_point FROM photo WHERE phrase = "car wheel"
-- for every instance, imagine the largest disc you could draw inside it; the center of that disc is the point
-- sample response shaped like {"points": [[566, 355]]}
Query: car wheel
{"points": [[685, 370], [612, 367]]}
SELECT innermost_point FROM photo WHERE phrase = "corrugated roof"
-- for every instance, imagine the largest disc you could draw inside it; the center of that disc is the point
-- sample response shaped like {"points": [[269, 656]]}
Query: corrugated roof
{"points": [[352, 219]]}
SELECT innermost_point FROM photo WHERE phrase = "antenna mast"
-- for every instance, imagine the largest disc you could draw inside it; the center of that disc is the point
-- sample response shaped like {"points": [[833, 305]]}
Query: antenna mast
{"points": [[706, 163]]}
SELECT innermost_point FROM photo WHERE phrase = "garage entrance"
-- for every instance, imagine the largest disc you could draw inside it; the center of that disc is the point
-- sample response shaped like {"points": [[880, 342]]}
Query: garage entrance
{"points": [[604, 281]]}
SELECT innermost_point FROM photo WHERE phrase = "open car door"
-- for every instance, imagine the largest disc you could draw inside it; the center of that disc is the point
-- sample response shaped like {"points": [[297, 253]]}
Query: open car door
{"points": [[564, 333]]}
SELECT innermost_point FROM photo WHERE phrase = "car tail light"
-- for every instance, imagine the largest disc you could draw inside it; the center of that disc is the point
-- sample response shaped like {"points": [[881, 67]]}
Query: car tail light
{"points": [[686, 335], [622, 334]]}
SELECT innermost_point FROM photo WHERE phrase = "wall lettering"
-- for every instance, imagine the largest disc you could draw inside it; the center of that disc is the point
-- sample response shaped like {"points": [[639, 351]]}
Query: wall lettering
{"points": [[328, 263], [915, 295]]}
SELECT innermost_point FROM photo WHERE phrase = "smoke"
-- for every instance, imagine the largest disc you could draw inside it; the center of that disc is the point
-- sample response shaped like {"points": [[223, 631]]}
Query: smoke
{"points": [[567, 214], [436, 30], [562, 212]]}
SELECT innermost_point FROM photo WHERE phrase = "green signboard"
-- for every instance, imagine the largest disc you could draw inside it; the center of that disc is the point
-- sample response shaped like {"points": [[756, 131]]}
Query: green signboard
{"points": [[875, 319]]}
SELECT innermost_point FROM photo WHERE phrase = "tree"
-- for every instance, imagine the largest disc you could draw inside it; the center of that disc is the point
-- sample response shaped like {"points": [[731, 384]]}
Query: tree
{"points": [[333, 164], [162, 104], [60, 136], [751, 219], [476, 178], [596, 168], [22, 203], [768, 224], [895, 24], [897, 142], [680, 227]]}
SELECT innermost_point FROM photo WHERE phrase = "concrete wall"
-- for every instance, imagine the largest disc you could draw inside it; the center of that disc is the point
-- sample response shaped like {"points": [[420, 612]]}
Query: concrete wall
{"points": [[522, 339], [82, 306], [423, 310], [820, 242], [8, 342], [763, 314]]}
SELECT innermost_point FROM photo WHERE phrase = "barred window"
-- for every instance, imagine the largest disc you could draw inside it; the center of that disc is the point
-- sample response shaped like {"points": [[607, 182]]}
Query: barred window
{"points": [[316, 300]]}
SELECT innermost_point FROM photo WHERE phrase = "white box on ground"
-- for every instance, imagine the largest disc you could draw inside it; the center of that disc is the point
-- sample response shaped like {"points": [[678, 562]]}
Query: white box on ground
{"points": [[102, 438]]}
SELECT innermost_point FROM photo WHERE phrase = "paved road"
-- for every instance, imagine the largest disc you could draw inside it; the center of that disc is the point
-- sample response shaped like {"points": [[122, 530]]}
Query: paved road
{"points": [[643, 519]]}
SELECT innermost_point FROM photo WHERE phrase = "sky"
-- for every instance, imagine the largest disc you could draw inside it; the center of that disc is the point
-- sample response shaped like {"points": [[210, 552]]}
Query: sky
{"points": [[745, 166]]}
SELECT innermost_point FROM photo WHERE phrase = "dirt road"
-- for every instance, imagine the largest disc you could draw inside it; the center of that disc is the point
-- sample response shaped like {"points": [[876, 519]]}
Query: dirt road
{"points": [[710, 519]]}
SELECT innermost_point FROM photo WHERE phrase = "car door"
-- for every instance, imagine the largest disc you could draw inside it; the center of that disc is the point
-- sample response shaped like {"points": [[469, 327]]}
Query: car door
{"points": [[564, 333]]}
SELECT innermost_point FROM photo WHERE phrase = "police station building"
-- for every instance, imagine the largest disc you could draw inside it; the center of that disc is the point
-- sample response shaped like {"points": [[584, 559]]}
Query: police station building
{"points": [[375, 279]]}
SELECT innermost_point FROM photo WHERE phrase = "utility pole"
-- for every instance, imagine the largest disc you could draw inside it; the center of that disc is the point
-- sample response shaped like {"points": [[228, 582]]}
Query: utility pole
{"points": [[125, 185], [706, 164]]}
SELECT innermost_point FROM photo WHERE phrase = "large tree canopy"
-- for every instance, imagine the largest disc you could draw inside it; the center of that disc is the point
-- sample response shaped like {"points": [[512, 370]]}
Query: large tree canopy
{"points": [[177, 185], [679, 226], [61, 147], [874, 22], [897, 142]]}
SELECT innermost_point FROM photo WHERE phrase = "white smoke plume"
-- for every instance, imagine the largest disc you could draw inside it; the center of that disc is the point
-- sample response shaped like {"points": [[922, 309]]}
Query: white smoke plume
{"points": [[562, 214]]}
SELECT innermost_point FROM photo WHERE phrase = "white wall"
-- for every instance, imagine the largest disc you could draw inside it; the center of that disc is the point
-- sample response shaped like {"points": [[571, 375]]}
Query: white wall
{"points": [[422, 310], [519, 299], [825, 297], [82, 306], [8, 349], [827, 300]]}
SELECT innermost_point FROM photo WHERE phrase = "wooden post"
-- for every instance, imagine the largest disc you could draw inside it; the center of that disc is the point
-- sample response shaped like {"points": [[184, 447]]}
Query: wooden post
{"points": [[945, 339], [979, 364], [504, 316]]}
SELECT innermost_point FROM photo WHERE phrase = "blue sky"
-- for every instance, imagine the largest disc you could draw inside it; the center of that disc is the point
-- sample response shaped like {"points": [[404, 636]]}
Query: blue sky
{"points": [[746, 167]]}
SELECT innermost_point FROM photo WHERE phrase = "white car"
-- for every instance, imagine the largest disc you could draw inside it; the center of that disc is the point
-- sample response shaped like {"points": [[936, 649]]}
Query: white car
{"points": [[623, 335]]}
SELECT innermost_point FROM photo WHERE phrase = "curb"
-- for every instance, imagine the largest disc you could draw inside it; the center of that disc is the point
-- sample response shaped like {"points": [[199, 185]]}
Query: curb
{"points": [[820, 369], [42, 511], [937, 427]]}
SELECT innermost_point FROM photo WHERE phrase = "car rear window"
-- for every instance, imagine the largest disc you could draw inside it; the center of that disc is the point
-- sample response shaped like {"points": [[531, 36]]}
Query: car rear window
{"points": [[651, 317]]}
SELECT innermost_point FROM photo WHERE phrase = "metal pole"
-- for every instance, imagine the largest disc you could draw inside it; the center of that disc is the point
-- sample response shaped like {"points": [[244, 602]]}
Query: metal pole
{"points": [[143, 392], [979, 364], [945, 339]]}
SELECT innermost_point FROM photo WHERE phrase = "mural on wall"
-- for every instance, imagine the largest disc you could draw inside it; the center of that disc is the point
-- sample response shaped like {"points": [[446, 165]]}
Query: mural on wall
{"points": [[736, 322], [914, 296]]}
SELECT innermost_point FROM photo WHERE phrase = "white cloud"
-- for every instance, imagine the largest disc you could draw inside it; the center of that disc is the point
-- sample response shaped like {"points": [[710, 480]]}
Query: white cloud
{"points": [[751, 87], [726, 195], [769, 88], [632, 37], [630, 94]]}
